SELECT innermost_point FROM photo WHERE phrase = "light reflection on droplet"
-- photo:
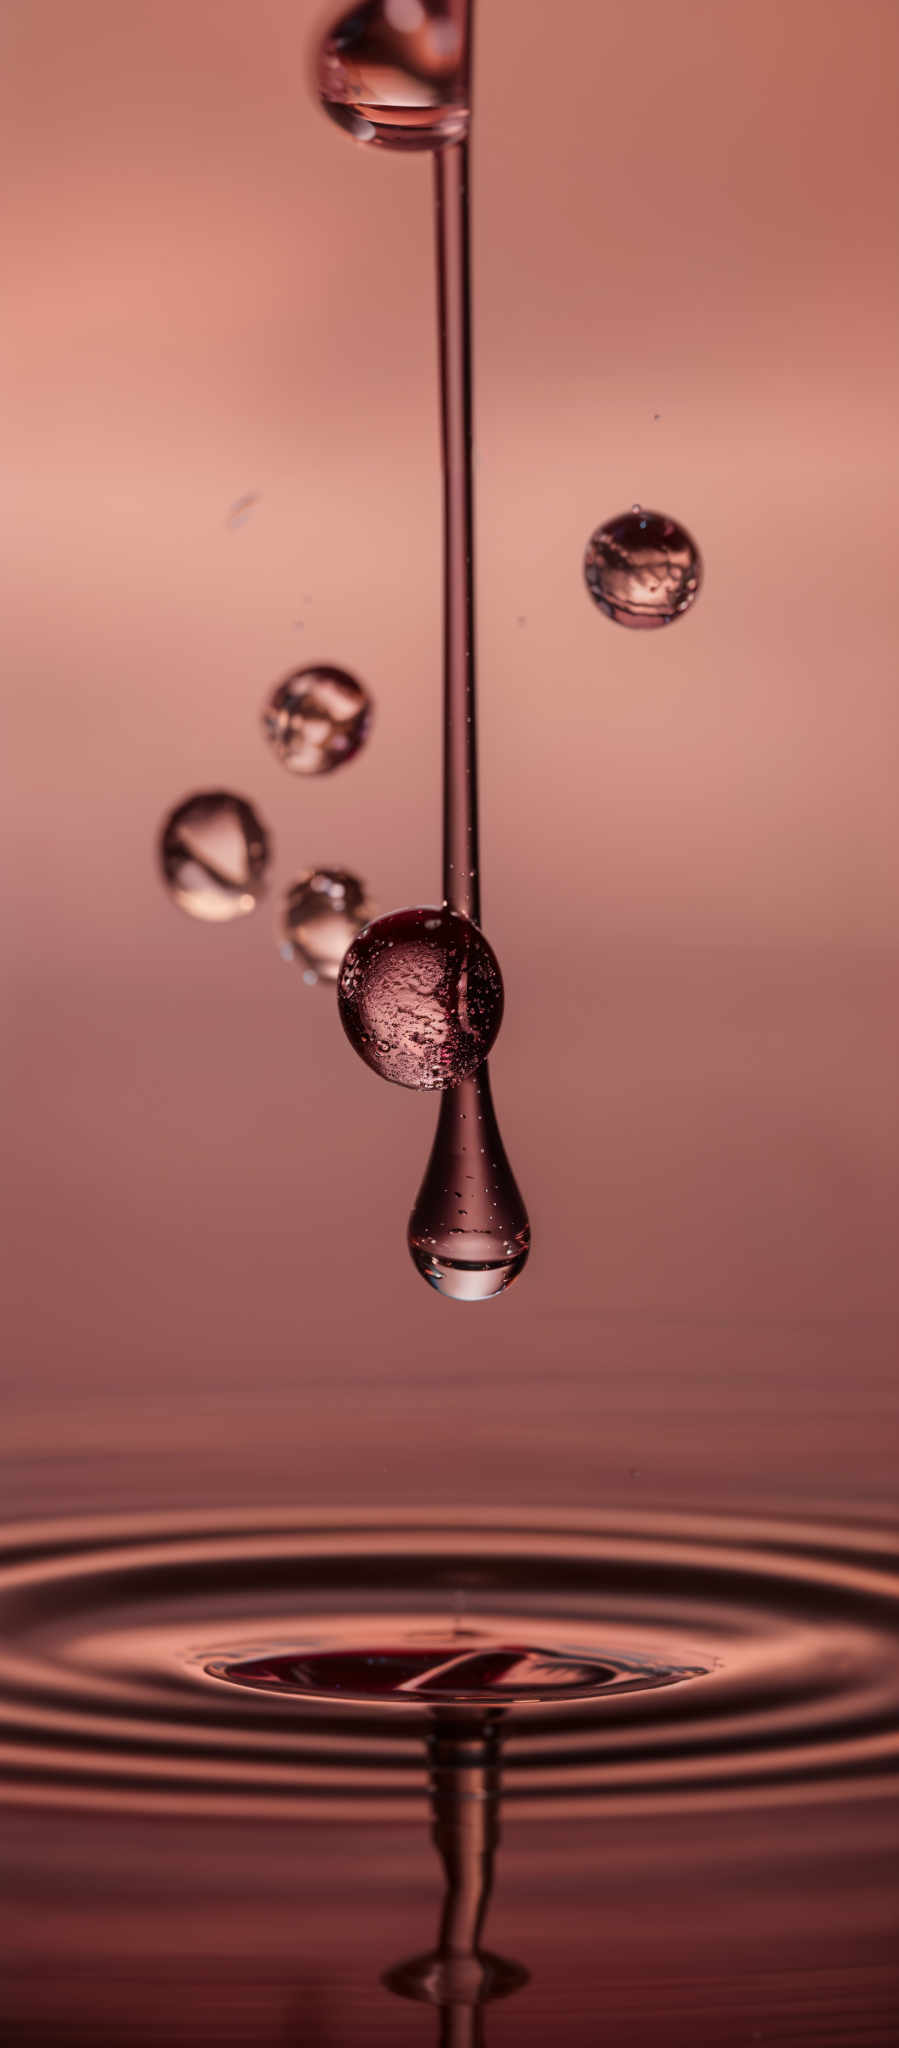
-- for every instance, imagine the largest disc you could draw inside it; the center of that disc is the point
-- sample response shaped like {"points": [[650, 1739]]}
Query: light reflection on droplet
{"points": [[642, 569], [316, 719], [395, 73], [323, 911], [214, 852]]}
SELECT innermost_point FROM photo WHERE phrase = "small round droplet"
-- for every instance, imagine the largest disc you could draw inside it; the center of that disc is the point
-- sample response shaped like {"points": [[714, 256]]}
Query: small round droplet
{"points": [[323, 912], [421, 997], [316, 719], [214, 852], [395, 72], [642, 569]]}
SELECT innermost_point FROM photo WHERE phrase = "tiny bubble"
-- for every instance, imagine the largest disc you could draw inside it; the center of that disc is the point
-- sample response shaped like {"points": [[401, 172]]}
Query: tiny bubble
{"points": [[309, 977]]}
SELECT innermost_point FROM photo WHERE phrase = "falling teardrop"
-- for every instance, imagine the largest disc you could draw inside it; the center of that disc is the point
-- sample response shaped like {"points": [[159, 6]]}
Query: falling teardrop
{"points": [[469, 1234]]}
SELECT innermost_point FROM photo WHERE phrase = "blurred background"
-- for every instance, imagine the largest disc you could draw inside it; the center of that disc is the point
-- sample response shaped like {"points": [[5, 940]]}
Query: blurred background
{"points": [[685, 295]]}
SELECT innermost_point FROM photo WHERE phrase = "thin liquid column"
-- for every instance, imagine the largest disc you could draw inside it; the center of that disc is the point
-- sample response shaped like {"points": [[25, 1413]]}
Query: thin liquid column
{"points": [[469, 1233], [461, 861]]}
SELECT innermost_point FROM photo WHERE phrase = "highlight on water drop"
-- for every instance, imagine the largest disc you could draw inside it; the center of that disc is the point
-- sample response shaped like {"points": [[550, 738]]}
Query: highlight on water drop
{"points": [[395, 73], [317, 719], [323, 912], [420, 995], [214, 853], [642, 569]]}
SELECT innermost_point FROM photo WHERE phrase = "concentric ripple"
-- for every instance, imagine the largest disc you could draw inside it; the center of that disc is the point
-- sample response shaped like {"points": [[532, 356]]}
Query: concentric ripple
{"points": [[677, 1661]]}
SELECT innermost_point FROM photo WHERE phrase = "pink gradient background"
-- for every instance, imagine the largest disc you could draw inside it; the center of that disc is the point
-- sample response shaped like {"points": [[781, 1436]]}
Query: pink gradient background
{"points": [[690, 839]]}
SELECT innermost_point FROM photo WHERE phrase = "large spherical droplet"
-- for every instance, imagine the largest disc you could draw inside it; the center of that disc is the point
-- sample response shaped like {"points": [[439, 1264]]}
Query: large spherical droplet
{"points": [[642, 569], [214, 853], [316, 719], [421, 997], [395, 72], [323, 912]]}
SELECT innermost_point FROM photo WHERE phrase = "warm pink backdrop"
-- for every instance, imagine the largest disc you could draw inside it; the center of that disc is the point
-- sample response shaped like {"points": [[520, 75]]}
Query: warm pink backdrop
{"points": [[690, 838]]}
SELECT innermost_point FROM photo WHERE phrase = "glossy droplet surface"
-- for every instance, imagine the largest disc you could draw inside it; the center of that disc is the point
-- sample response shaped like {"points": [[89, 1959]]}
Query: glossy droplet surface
{"points": [[214, 852], [469, 1234], [456, 1666], [395, 73], [323, 911], [316, 719], [642, 568], [421, 997]]}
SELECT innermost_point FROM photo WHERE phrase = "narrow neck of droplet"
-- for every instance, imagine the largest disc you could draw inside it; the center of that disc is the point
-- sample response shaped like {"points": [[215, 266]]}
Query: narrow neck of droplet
{"points": [[461, 879]]}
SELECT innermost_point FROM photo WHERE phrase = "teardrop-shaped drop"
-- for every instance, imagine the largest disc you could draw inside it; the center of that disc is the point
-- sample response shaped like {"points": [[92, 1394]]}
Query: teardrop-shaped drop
{"points": [[469, 1233], [395, 72]]}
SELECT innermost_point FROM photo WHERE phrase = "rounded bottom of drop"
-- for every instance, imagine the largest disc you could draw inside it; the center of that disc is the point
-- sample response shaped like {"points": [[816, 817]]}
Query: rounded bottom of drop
{"points": [[461, 1280]]}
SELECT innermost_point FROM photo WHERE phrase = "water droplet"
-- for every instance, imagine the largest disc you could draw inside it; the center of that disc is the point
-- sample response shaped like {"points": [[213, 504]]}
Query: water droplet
{"points": [[214, 852], [395, 72], [323, 911], [317, 718], [642, 569], [480, 1261], [424, 985]]}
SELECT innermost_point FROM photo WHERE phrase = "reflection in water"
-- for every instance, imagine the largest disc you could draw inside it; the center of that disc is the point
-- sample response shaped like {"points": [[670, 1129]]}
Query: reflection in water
{"points": [[713, 1701], [460, 1976]]}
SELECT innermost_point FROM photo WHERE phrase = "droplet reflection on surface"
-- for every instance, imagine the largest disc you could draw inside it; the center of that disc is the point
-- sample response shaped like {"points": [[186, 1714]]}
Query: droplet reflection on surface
{"points": [[421, 997], [323, 911], [469, 1234], [115, 1634], [395, 73], [316, 719], [214, 853], [642, 569]]}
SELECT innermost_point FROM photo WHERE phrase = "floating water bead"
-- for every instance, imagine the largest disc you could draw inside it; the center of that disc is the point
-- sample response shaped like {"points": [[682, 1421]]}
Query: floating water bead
{"points": [[642, 569], [214, 853], [323, 912], [395, 72], [421, 997], [316, 719]]}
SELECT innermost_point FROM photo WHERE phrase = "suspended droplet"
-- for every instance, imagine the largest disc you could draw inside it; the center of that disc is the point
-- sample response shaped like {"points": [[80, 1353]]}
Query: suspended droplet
{"points": [[421, 997], [471, 1249], [214, 853], [317, 718], [395, 72], [642, 569], [323, 912]]}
